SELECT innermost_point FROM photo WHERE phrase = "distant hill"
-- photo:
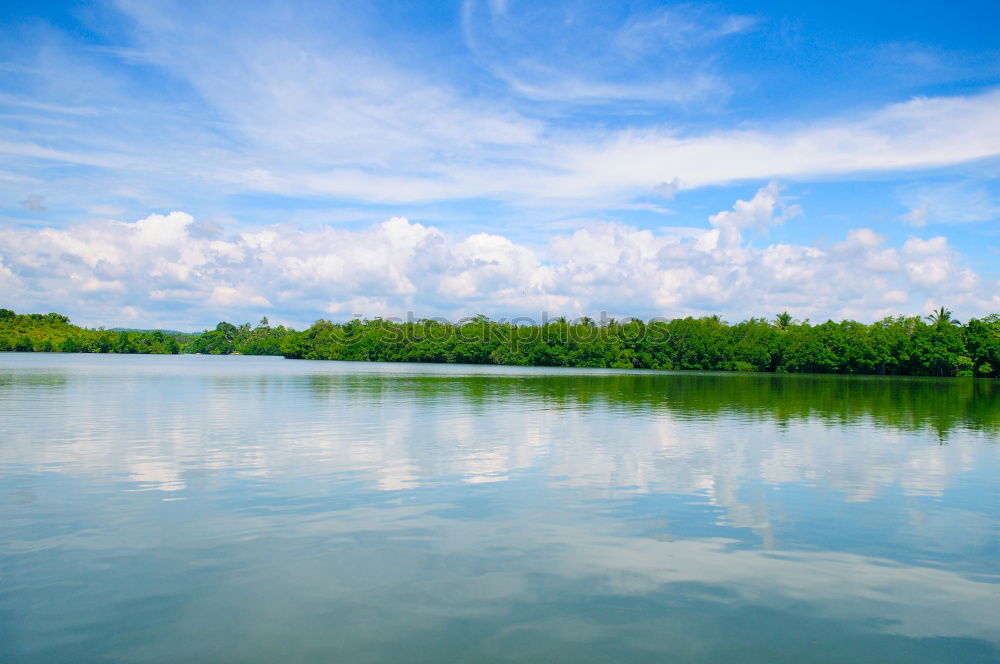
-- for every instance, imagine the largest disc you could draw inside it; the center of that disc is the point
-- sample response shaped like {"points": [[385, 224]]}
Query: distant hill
{"points": [[172, 333]]}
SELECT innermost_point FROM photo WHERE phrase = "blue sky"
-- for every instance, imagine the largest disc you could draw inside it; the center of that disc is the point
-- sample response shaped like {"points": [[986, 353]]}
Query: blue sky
{"points": [[174, 163]]}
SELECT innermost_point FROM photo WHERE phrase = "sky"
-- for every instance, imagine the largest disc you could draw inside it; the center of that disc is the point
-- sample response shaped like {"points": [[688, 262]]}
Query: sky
{"points": [[173, 164]]}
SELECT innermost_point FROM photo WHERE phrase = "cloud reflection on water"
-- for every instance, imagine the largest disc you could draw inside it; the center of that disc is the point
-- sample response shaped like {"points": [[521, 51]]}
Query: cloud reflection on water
{"points": [[634, 506]]}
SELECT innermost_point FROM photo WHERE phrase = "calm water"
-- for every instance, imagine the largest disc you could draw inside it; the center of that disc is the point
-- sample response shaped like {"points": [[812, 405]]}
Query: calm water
{"points": [[239, 509]]}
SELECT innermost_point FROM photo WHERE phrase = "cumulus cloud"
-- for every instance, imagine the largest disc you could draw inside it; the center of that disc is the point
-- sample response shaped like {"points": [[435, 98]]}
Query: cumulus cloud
{"points": [[165, 269], [758, 212]]}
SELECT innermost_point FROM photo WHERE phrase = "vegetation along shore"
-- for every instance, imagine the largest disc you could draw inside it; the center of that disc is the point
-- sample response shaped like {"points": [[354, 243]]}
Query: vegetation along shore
{"points": [[935, 345]]}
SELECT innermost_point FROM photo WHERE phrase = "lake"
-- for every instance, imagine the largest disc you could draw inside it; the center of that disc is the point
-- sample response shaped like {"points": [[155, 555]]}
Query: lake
{"points": [[248, 509]]}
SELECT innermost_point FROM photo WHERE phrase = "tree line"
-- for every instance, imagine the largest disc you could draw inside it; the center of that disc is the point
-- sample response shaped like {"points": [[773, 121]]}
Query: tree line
{"points": [[53, 333], [935, 345]]}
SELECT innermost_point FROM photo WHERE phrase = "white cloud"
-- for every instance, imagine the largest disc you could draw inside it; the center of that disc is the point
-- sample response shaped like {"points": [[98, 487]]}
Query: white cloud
{"points": [[917, 216], [917, 133], [312, 104], [587, 52], [156, 266], [229, 297], [931, 263], [758, 212], [668, 189], [163, 231], [609, 168]]}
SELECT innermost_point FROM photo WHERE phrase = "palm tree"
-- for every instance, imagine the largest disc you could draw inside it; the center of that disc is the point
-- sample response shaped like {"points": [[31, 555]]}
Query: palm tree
{"points": [[941, 317], [783, 320]]}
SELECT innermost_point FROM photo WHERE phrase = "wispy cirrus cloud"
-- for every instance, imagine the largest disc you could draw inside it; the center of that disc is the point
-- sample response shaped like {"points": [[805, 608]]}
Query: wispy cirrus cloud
{"points": [[259, 111], [954, 202], [598, 53]]}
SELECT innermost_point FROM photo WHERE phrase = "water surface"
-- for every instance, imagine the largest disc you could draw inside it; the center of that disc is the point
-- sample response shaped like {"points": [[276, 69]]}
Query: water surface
{"points": [[241, 509]]}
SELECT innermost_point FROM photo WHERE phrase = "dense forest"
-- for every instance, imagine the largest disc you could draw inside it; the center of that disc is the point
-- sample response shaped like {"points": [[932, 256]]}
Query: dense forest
{"points": [[936, 345], [53, 333]]}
